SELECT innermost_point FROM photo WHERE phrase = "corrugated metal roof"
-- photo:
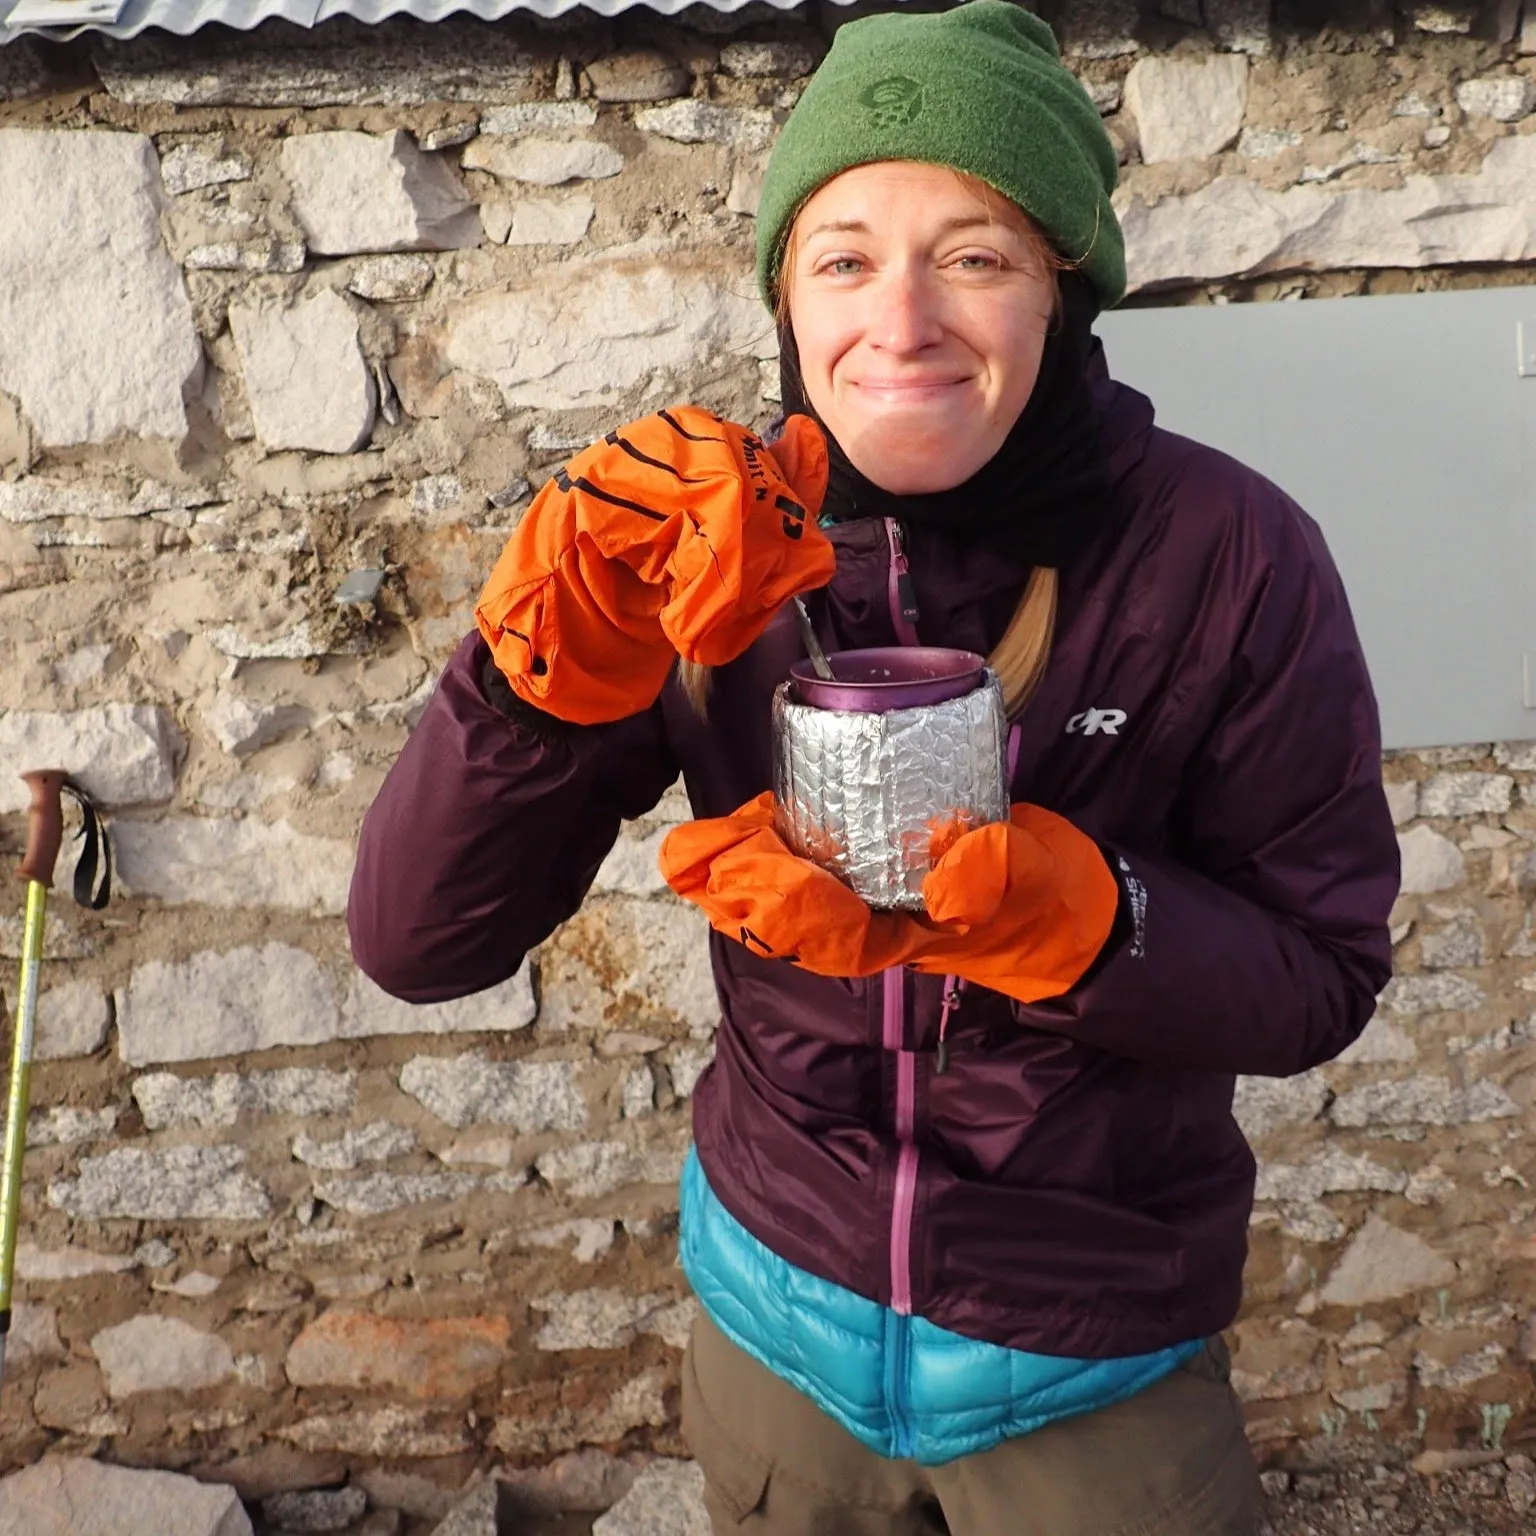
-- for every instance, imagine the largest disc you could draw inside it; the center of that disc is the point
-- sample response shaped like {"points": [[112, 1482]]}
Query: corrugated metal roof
{"points": [[60, 19]]}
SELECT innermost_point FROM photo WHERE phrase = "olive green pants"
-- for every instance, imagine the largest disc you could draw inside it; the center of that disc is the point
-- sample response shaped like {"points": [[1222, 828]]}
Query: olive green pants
{"points": [[1171, 1461]]}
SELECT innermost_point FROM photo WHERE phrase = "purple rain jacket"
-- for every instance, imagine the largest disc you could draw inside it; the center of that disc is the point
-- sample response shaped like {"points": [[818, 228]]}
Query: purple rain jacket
{"points": [[1081, 1186]]}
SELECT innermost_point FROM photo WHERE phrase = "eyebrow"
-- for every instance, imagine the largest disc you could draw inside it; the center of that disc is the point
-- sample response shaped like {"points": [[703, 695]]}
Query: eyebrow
{"points": [[859, 227]]}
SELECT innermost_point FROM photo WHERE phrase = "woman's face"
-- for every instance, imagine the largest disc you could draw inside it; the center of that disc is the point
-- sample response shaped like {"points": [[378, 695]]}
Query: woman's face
{"points": [[920, 308]]}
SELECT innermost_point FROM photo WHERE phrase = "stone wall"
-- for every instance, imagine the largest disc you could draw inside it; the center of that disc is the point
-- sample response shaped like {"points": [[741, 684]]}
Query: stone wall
{"points": [[289, 325]]}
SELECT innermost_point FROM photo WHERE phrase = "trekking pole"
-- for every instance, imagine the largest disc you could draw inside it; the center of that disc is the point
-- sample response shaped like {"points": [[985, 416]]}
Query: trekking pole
{"points": [[45, 831]]}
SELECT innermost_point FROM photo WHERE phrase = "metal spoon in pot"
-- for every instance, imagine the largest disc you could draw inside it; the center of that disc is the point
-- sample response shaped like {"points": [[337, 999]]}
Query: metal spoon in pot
{"points": [[812, 644]]}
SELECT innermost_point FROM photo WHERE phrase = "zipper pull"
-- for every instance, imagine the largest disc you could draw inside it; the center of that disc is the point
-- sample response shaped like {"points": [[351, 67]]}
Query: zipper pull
{"points": [[952, 986], [906, 593]]}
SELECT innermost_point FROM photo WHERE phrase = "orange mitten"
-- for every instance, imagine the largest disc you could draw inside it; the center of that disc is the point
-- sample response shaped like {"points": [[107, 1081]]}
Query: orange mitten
{"points": [[680, 534], [753, 889], [1022, 906]]}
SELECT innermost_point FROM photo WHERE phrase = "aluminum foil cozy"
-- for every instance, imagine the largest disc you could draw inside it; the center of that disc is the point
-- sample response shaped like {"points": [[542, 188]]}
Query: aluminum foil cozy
{"points": [[862, 794]]}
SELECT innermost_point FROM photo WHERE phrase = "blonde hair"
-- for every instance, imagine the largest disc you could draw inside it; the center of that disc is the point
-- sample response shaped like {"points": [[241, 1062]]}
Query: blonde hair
{"points": [[1020, 657]]}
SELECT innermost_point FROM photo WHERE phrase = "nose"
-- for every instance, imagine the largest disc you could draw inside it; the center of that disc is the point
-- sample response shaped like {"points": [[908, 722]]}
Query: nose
{"points": [[906, 318]]}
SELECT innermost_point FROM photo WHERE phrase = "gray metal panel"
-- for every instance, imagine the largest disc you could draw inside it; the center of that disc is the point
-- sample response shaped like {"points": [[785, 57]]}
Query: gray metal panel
{"points": [[1403, 424], [187, 16]]}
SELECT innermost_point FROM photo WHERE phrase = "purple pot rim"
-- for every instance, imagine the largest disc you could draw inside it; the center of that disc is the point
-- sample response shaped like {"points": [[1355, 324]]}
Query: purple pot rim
{"points": [[954, 673]]}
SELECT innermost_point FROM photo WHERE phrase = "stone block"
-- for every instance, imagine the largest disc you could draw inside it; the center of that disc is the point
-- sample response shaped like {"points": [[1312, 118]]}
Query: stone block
{"points": [[586, 1169], [74, 1496], [589, 1238], [1422, 1101], [1235, 228], [1451, 20], [1098, 29], [1262, 1103], [468, 1090], [637, 74], [602, 329], [466, 60], [33, 1340], [1376, 1398], [22, 71], [1457, 1375], [201, 163], [1382, 1263], [546, 1424], [667, 1499], [705, 122], [1528, 31], [686, 1064], [355, 192], [1331, 1171], [601, 1318], [543, 162], [121, 754], [1380, 1041], [1414, 995], [539, 221], [391, 1433], [174, 1184], [376, 1194], [41, 1265], [376, 1142], [632, 867], [1241, 25], [1402, 800], [409, 1492], [233, 862], [102, 344], [630, 964], [1505, 98], [72, 1020], [482, 1509], [1459, 944], [554, 118], [369, 1010], [637, 1095], [215, 1004], [496, 218], [1186, 110], [65, 1125], [268, 255], [1430, 862], [160, 1354], [436, 1358], [242, 726], [315, 1509], [766, 61], [391, 279], [306, 380], [746, 189], [166, 1100], [1466, 794], [581, 1482]]}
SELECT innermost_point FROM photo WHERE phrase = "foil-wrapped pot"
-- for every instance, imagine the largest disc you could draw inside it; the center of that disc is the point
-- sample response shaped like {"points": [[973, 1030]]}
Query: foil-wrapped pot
{"points": [[917, 745]]}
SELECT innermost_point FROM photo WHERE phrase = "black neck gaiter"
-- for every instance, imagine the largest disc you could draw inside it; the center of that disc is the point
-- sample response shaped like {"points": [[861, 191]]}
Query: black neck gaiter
{"points": [[1042, 496]]}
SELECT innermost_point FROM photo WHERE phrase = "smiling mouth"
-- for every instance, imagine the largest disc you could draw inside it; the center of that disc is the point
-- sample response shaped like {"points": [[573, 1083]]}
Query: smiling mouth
{"points": [[907, 386]]}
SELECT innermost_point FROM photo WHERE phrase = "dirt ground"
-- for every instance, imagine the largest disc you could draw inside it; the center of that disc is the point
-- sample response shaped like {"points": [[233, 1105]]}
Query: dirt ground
{"points": [[1497, 1499]]}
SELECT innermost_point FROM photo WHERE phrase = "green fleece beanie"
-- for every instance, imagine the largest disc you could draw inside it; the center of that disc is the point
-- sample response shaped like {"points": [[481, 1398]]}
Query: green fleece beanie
{"points": [[980, 88]]}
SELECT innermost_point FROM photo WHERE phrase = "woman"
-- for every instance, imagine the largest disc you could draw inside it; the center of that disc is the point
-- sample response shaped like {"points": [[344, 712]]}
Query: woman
{"points": [[967, 1208]]}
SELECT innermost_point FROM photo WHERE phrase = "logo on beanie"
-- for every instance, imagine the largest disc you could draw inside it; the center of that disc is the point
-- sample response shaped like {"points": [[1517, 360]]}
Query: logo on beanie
{"points": [[893, 101]]}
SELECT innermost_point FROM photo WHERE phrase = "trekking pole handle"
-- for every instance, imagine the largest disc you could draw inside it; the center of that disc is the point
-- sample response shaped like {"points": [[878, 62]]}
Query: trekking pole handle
{"points": [[45, 824]]}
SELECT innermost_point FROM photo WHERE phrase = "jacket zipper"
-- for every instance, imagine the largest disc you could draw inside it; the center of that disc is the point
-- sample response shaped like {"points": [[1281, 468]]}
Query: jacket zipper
{"points": [[898, 1323], [903, 606], [906, 1159]]}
